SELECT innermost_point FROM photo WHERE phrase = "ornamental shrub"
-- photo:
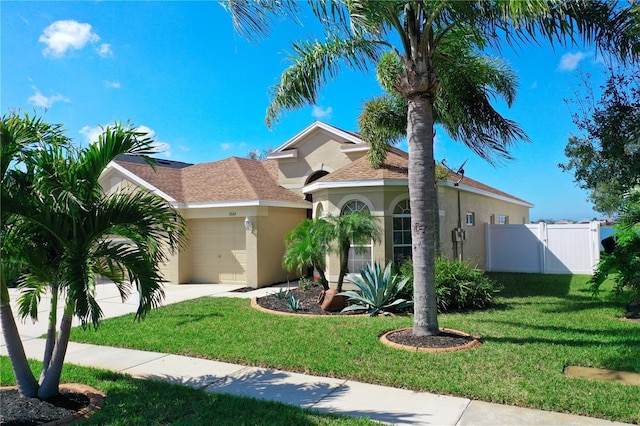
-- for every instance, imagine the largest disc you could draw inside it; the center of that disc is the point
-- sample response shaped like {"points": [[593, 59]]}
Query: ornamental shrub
{"points": [[459, 285]]}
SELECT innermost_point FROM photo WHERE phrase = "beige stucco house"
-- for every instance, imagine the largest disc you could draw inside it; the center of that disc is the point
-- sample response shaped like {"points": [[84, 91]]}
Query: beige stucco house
{"points": [[238, 210]]}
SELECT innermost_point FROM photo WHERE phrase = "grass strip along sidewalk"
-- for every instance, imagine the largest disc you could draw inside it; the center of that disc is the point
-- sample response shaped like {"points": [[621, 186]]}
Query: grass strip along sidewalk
{"points": [[541, 324], [147, 402]]}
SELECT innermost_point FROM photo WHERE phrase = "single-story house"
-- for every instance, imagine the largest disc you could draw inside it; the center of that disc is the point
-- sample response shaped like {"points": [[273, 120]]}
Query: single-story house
{"points": [[239, 210]]}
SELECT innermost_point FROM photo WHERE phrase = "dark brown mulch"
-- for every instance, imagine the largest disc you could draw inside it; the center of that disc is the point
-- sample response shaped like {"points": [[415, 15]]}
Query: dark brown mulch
{"points": [[633, 310], [243, 290], [442, 340], [15, 410], [308, 300]]}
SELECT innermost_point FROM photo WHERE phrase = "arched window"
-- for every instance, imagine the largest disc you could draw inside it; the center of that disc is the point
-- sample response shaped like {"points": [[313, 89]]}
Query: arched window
{"points": [[354, 206], [402, 231], [359, 255], [315, 176]]}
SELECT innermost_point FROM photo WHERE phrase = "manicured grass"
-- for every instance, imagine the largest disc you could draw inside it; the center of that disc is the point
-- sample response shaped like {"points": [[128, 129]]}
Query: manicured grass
{"points": [[147, 402], [541, 323]]}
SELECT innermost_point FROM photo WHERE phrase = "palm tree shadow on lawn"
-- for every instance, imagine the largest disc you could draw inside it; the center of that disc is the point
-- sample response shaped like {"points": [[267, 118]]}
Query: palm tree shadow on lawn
{"points": [[261, 388]]}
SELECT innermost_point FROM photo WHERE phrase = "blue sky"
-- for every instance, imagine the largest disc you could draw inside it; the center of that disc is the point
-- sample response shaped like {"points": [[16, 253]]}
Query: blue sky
{"points": [[178, 71]]}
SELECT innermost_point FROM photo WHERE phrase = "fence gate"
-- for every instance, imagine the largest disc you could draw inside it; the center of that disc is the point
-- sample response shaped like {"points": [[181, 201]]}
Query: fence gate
{"points": [[542, 248]]}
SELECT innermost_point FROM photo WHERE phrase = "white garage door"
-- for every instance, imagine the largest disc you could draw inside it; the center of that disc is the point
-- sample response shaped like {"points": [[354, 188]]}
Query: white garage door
{"points": [[218, 251]]}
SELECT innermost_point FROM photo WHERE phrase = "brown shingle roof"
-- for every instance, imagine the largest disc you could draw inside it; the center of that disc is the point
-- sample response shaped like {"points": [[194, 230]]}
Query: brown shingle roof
{"points": [[397, 167], [166, 179], [231, 179]]}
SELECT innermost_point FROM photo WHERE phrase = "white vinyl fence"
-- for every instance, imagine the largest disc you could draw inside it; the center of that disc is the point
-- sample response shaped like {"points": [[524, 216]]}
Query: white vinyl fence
{"points": [[542, 248]]}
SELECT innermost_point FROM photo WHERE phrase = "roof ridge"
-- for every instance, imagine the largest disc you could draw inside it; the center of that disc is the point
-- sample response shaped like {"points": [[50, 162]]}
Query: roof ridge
{"points": [[243, 173]]}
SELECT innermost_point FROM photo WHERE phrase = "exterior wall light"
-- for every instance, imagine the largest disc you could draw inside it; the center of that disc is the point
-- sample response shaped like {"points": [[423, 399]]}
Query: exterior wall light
{"points": [[248, 225]]}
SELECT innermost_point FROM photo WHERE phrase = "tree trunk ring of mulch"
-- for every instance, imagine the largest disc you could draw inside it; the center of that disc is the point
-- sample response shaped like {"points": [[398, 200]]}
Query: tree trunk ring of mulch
{"points": [[95, 397], [447, 341]]}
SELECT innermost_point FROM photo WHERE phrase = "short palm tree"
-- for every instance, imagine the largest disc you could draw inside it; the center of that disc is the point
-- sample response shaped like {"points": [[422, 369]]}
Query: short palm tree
{"points": [[357, 31], [21, 137], [67, 232], [352, 230], [307, 245]]}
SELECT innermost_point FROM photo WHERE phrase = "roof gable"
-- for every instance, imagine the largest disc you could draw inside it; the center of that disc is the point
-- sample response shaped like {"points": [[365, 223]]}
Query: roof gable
{"points": [[287, 149]]}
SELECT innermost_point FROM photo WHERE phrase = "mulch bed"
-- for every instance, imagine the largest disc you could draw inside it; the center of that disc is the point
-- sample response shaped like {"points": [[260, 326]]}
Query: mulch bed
{"points": [[446, 340], [633, 311], [15, 410], [308, 300], [72, 404], [243, 290]]}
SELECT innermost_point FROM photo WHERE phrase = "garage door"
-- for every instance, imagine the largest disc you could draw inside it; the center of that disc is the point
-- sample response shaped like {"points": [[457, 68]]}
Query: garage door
{"points": [[218, 251]]}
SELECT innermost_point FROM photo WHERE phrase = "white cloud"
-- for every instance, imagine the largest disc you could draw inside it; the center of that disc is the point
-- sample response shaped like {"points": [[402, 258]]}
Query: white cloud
{"points": [[226, 146], [62, 36], [104, 50], [91, 133], [158, 146], [112, 84], [40, 100], [91, 136], [319, 112], [571, 61]]}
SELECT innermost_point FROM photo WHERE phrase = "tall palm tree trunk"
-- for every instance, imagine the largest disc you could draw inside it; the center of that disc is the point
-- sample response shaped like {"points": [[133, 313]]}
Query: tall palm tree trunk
{"points": [[27, 384], [49, 386], [422, 193]]}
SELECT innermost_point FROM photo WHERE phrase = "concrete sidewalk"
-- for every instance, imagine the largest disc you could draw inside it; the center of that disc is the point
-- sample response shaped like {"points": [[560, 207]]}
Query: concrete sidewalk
{"points": [[384, 404]]}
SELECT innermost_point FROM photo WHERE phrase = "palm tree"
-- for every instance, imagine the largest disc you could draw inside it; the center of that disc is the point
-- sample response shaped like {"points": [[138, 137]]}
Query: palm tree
{"points": [[68, 232], [20, 137], [465, 87], [358, 30], [347, 230], [308, 244]]}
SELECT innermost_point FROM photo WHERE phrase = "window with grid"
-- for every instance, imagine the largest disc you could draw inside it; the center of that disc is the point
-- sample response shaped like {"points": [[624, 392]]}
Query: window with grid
{"points": [[402, 231], [470, 219], [359, 255]]}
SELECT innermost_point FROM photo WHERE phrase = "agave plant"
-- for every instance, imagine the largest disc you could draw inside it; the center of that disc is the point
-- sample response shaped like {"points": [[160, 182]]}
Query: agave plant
{"points": [[378, 291]]}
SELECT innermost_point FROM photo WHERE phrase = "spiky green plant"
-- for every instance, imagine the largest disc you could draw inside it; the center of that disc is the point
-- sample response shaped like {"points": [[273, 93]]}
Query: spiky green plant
{"points": [[378, 291], [293, 303]]}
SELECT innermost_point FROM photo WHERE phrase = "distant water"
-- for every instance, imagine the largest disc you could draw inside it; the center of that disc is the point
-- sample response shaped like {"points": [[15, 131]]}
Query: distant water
{"points": [[606, 232]]}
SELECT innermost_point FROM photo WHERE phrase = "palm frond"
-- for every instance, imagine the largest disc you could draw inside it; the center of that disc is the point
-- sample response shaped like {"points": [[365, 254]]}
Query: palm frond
{"points": [[313, 64], [611, 26], [253, 19], [382, 123]]}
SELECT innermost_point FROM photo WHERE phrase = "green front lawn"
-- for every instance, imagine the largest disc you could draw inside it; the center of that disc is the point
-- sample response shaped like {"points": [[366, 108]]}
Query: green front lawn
{"points": [[541, 323], [146, 402]]}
